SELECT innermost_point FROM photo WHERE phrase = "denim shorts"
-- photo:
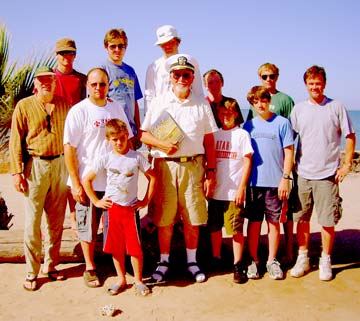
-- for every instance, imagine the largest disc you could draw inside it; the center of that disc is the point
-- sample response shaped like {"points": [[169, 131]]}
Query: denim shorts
{"points": [[87, 219]]}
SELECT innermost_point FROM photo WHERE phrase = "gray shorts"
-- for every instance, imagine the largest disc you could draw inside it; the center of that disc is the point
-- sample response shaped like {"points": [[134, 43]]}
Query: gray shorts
{"points": [[87, 219], [324, 196]]}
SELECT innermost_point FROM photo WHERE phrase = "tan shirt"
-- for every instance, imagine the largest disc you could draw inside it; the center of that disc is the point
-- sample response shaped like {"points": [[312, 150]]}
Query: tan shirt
{"points": [[32, 134]]}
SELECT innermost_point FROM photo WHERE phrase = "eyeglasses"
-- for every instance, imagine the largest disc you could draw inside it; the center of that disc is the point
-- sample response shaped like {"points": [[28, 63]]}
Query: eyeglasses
{"points": [[100, 84], [185, 75], [271, 76], [120, 47], [48, 123], [67, 52]]}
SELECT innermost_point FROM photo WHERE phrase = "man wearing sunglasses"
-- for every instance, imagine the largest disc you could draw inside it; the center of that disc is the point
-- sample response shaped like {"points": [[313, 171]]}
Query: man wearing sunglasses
{"points": [[280, 104], [38, 169], [124, 83], [84, 140], [186, 168], [157, 77], [71, 85]]}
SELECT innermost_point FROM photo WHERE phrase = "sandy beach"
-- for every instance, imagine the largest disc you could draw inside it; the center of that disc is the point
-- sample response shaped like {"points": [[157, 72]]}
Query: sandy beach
{"points": [[216, 299]]}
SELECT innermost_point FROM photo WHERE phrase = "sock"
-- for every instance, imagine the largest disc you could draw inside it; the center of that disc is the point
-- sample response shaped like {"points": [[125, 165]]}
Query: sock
{"points": [[325, 256], [164, 257], [303, 253], [191, 255]]}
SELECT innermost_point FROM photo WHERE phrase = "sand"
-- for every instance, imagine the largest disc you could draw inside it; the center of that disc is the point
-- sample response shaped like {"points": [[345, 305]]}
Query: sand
{"points": [[218, 298]]}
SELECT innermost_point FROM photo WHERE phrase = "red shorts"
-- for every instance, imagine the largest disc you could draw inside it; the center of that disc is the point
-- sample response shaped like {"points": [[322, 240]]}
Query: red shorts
{"points": [[120, 232]]}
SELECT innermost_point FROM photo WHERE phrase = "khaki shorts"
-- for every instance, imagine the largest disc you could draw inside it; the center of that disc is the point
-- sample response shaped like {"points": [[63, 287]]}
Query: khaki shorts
{"points": [[179, 191], [227, 214], [324, 195]]}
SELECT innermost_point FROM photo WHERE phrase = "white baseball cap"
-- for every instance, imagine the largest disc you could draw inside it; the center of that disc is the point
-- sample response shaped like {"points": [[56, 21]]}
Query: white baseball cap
{"points": [[166, 33]]}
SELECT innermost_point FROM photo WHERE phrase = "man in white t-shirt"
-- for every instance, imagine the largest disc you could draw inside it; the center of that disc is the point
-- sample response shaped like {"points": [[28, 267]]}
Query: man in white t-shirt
{"points": [[84, 139], [157, 77]]}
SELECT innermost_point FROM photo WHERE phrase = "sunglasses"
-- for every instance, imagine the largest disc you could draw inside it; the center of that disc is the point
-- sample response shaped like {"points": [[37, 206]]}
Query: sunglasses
{"points": [[69, 52], [100, 84], [120, 47], [48, 123], [184, 75], [271, 76]]}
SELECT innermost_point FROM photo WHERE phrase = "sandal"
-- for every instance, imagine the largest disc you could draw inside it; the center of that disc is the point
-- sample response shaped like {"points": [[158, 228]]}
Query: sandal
{"points": [[141, 289], [160, 276], [55, 275], [198, 276], [33, 284], [91, 279], [115, 289]]}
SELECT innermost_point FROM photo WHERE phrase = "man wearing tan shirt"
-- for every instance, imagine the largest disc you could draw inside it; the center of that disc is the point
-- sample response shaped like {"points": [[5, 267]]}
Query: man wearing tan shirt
{"points": [[39, 172]]}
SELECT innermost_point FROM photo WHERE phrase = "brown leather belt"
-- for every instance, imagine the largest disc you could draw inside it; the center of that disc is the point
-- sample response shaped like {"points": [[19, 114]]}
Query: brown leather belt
{"points": [[49, 157], [183, 159]]}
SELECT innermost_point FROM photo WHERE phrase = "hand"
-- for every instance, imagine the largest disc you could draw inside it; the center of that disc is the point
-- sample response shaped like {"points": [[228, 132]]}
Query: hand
{"points": [[342, 172], [209, 186], [78, 194], [139, 204], [20, 183], [240, 197], [170, 148], [284, 189], [104, 203]]}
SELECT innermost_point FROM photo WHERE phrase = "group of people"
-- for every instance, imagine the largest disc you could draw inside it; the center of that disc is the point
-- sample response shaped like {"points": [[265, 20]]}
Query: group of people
{"points": [[76, 140]]}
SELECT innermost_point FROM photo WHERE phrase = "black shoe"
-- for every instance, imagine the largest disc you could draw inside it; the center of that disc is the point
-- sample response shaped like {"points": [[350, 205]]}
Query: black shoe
{"points": [[217, 264], [240, 273]]}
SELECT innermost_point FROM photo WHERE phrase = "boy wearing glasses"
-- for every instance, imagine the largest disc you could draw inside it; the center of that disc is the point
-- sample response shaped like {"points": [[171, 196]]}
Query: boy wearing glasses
{"points": [[269, 186], [124, 83], [122, 166]]}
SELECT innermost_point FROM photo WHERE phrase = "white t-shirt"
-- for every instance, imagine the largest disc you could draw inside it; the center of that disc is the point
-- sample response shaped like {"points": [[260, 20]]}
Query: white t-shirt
{"points": [[231, 146], [157, 81], [122, 172], [85, 130], [193, 116]]}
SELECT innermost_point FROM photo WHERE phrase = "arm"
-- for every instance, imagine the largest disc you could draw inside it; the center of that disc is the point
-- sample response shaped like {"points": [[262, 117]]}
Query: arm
{"points": [[72, 166], [240, 194], [210, 156], [284, 186], [149, 139], [350, 141], [87, 183], [150, 175]]}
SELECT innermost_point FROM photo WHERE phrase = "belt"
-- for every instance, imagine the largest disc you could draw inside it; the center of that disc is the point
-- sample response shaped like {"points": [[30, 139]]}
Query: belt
{"points": [[183, 159], [49, 157]]}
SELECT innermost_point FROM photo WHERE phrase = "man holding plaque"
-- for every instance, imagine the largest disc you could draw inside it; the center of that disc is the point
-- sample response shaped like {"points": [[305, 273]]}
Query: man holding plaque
{"points": [[185, 166]]}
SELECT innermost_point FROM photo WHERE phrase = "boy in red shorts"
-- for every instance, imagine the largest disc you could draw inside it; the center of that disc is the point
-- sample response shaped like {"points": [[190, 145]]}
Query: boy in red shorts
{"points": [[121, 233]]}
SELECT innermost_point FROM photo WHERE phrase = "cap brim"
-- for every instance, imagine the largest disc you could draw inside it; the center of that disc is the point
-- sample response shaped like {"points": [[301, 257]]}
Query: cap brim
{"points": [[44, 74], [182, 68], [164, 40]]}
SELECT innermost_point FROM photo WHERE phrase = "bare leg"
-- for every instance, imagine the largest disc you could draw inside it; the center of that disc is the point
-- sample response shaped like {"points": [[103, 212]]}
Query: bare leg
{"points": [[216, 242], [164, 237], [274, 239], [253, 239], [303, 235], [327, 239], [289, 240], [238, 247], [120, 270]]}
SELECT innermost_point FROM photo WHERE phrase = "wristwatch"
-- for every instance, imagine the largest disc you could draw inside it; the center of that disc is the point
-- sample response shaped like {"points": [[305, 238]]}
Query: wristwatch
{"points": [[287, 176]]}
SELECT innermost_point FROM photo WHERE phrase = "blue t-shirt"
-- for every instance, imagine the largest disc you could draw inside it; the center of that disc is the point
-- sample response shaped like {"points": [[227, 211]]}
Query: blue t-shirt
{"points": [[124, 87], [268, 139]]}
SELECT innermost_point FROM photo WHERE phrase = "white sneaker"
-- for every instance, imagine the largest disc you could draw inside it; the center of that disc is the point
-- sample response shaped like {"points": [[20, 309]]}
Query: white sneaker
{"points": [[325, 271], [301, 267]]}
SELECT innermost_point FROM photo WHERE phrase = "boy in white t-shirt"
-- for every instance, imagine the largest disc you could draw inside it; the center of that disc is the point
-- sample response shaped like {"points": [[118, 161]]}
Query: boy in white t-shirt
{"points": [[233, 166], [121, 234]]}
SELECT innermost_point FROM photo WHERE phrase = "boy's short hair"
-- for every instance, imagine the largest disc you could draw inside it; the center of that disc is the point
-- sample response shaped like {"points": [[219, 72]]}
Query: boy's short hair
{"points": [[115, 34], [212, 72], [257, 93], [115, 126], [268, 66], [314, 71], [231, 104]]}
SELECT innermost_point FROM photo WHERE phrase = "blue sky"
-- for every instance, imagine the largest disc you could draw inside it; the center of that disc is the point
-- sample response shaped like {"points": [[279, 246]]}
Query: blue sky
{"points": [[233, 36]]}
